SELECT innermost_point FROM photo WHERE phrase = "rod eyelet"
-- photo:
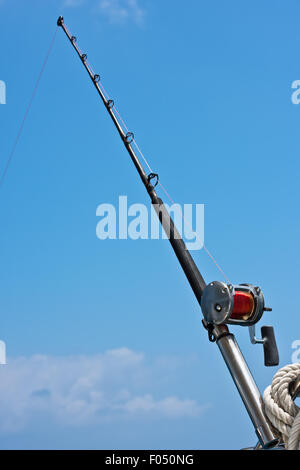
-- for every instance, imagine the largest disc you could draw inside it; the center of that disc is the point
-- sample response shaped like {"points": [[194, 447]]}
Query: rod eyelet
{"points": [[152, 176], [129, 137]]}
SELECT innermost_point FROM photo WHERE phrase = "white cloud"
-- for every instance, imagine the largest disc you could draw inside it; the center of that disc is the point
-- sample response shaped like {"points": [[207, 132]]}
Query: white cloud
{"points": [[118, 11], [170, 406], [115, 11], [73, 3], [77, 390]]}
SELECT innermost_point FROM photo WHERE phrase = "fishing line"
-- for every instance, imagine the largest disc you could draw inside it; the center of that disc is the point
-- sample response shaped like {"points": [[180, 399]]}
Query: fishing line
{"points": [[122, 125], [12, 152], [121, 120]]}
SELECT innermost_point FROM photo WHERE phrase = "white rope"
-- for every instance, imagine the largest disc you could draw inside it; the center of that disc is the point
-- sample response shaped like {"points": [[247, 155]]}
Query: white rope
{"points": [[280, 408]]}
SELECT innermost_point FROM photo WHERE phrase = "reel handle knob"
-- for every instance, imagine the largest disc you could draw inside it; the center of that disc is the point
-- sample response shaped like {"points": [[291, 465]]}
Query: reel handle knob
{"points": [[270, 347]]}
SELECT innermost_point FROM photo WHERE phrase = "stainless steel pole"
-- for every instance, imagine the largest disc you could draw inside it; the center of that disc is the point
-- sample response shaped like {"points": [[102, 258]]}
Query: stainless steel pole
{"points": [[245, 384]]}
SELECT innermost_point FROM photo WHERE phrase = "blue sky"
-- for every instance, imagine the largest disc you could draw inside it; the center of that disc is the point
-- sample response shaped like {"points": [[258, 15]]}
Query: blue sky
{"points": [[104, 339]]}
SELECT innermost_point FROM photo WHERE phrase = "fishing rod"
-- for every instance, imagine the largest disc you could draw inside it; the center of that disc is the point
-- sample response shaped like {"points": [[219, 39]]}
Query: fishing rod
{"points": [[221, 303]]}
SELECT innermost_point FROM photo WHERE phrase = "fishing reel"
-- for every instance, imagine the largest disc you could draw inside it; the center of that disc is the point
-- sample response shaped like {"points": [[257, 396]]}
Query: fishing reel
{"points": [[242, 305]]}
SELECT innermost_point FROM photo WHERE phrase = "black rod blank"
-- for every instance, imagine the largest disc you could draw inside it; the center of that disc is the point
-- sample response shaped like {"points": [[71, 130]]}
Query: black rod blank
{"points": [[184, 257]]}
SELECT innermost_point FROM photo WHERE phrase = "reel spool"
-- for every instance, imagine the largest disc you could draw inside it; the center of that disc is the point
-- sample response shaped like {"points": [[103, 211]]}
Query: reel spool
{"points": [[242, 305], [237, 305]]}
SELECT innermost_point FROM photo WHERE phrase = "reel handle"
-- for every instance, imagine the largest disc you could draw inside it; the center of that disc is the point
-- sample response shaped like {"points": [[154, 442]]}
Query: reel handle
{"points": [[270, 347]]}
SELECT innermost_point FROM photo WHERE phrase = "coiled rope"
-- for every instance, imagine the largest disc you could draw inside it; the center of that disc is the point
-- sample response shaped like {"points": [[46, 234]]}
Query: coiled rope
{"points": [[280, 407]]}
